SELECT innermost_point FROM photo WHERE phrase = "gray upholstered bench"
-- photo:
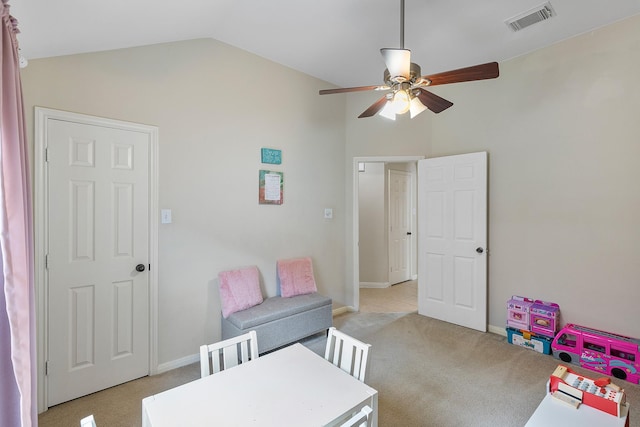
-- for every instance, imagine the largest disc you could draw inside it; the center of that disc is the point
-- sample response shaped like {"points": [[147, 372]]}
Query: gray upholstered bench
{"points": [[279, 321]]}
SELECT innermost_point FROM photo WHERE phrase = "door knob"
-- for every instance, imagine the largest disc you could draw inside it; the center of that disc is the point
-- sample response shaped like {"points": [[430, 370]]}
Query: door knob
{"points": [[479, 250], [408, 233], [140, 267]]}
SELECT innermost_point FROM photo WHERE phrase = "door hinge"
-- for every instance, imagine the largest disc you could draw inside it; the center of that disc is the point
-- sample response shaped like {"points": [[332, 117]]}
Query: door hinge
{"points": [[46, 367], [46, 262], [46, 155]]}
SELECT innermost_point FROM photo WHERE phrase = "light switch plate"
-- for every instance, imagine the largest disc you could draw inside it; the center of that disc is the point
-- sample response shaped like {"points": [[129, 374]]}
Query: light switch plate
{"points": [[165, 216]]}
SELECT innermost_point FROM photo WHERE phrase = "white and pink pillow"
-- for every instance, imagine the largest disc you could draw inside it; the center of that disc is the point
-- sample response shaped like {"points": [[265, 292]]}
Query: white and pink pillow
{"points": [[296, 277], [239, 289]]}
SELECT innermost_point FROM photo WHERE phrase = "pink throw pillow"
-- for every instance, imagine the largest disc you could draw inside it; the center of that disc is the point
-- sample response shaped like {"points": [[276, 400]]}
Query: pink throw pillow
{"points": [[296, 277], [239, 289]]}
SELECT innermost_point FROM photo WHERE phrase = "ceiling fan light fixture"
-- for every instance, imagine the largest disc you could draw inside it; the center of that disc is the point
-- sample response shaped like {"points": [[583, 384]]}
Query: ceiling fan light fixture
{"points": [[401, 101], [387, 111], [416, 107]]}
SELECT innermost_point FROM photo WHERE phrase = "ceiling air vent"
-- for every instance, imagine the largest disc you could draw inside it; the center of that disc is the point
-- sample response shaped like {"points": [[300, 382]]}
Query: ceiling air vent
{"points": [[530, 17]]}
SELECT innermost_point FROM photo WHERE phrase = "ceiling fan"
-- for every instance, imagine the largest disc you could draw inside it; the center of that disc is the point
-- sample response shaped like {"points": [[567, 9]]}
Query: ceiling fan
{"points": [[406, 86]]}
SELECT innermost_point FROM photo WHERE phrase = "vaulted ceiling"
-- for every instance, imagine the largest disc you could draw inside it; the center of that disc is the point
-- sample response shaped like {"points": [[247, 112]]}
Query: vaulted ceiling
{"points": [[335, 40]]}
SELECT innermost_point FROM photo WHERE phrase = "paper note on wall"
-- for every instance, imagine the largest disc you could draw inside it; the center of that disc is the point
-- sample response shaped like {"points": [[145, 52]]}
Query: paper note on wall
{"points": [[272, 186]]}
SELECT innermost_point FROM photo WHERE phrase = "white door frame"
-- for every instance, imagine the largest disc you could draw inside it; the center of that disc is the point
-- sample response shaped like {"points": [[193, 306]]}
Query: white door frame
{"points": [[356, 214], [41, 232]]}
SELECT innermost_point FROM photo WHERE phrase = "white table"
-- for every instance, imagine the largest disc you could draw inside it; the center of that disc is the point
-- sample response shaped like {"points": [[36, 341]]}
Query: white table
{"points": [[289, 387], [551, 413]]}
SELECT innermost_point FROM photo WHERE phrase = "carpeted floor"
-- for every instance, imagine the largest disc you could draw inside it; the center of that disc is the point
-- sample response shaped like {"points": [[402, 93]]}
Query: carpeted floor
{"points": [[432, 373], [427, 373]]}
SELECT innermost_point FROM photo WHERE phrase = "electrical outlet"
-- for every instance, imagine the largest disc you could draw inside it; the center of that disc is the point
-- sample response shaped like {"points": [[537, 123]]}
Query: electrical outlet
{"points": [[328, 213]]}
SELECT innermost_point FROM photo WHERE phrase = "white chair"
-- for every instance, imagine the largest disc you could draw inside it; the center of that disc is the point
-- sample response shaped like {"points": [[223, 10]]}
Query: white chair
{"points": [[224, 354], [347, 353], [88, 422], [360, 419]]}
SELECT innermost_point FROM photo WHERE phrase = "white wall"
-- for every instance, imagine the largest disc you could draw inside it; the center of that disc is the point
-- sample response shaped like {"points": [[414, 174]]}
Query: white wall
{"points": [[561, 128], [215, 107]]}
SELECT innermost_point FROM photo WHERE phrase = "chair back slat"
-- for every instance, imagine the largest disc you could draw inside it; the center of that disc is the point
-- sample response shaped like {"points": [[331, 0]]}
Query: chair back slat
{"points": [[230, 356], [244, 351]]}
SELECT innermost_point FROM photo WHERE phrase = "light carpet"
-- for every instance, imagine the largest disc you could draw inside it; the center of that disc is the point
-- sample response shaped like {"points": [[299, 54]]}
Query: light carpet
{"points": [[433, 373]]}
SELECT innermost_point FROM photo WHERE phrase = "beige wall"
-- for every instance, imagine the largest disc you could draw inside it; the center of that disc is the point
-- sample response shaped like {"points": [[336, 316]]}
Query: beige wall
{"points": [[562, 132], [215, 107], [373, 254]]}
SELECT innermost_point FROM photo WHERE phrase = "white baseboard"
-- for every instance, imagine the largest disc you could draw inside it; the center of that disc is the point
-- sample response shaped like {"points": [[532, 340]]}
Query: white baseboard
{"points": [[377, 285], [340, 310], [500, 330], [178, 363]]}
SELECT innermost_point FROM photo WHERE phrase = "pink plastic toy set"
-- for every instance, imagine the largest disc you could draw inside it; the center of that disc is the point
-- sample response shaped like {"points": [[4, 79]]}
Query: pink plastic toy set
{"points": [[532, 324], [538, 317], [518, 310], [600, 351], [544, 318]]}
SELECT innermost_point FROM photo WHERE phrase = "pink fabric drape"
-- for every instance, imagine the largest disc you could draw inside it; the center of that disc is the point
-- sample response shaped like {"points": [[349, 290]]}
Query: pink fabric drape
{"points": [[17, 314]]}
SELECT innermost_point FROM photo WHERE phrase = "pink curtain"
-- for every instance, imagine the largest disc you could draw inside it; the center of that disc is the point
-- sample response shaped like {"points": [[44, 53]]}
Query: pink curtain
{"points": [[18, 403]]}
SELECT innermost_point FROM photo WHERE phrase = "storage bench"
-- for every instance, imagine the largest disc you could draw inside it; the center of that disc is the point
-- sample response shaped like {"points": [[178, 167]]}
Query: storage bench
{"points": [[279, 321]]}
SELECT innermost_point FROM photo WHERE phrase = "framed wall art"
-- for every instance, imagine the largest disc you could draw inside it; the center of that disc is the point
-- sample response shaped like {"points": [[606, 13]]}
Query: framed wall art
{"points": [[271, 156], [270, 187]]}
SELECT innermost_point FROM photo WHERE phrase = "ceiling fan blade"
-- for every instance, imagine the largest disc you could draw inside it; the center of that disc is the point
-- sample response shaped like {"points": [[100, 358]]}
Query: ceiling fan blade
{"points": [[352, 89], [374, 108], [433, 102], [477, 72], [398, 62]]}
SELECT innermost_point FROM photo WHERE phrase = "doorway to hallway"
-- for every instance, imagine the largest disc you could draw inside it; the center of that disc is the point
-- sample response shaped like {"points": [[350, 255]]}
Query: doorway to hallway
{"points": [[379, 212]]}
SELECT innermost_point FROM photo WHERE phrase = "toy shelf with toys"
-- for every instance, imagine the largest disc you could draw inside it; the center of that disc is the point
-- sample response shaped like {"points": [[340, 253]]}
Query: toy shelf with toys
{"points": [[527, 339], [532, 324]]}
